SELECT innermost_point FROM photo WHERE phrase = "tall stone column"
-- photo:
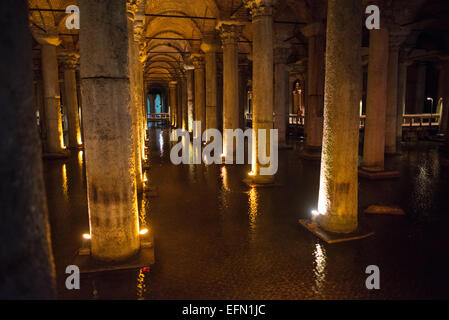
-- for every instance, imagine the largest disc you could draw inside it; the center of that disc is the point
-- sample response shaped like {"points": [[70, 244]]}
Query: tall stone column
{"points": [[392, 100], [70, 62], [315, 90], [402, 93], [243, 93], [338, 196], [262, 82], [27, 267], [281, 93], [209, 47], [190, 97], [179, 99], [421, 70], [184, 103], [200, 94], [133, 55], [230, 32], [376, 104], [108, 129], [173, 100], [54, 142], [444, 93]]}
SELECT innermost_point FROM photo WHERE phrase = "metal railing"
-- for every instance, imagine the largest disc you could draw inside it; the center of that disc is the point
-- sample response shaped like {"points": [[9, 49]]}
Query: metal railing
{"points": [[158, 116]]}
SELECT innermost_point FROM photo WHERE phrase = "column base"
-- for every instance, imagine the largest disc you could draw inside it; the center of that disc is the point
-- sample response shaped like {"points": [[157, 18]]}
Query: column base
{"points": [[56, 155], [331, 237], [377, 174], [259, 181], [88, 264], [310, 153]]}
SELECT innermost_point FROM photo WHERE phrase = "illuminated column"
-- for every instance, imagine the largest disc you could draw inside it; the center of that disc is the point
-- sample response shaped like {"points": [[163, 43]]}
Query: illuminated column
{"points": [[200, 94], [243, 92], [108, 130], [190, 97], [27, 270], [315, 90], [209, 47], [376, 102], [70, 62], [343, 90], [281, 93], [230, 32], [54, 143], [391, 115], [402, 91], [421, 70], [133, 54], [184, 104], [173, 100], [262, 81]]}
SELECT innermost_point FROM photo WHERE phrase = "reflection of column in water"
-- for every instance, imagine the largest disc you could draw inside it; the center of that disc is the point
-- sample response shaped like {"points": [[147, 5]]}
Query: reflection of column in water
{"points": [[253, 199], [64, 182], [141, 285], [319, 269], [161, 143]]}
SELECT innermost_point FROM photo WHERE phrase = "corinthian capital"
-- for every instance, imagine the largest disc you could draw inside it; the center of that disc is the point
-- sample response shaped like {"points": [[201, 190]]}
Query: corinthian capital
{"points": [[198, 61], [260, 7], [69, 60], [230, 31]]}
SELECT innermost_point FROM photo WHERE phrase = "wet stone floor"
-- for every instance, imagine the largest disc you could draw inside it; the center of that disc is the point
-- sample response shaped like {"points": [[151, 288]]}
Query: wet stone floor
{"points": [[216, 238]]}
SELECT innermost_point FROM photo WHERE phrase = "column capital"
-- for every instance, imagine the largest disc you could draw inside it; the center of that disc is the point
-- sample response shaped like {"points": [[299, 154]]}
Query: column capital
{"points": [[260, 7], [49, 37], [230, 31], [314, 29], [198, 60], [172, 84], [69, 60]]}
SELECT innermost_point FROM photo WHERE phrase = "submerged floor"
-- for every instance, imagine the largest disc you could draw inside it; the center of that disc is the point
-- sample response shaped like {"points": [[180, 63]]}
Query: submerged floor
{"points": [[216, 238]]}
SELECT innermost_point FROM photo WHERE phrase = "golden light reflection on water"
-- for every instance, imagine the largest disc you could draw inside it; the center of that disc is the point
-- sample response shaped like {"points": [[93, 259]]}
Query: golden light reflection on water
{"points": [[253, 199], [64, 181], [141, 285], [224, 178], [161, 143], [319, 269]]}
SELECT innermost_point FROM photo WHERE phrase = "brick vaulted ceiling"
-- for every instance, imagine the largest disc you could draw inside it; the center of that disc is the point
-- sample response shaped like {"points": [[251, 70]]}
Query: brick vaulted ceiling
{"points": [[164, 53]]}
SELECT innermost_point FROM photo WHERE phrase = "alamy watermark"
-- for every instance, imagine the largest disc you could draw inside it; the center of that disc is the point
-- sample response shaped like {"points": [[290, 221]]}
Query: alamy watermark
{"points": [[218, 147]]}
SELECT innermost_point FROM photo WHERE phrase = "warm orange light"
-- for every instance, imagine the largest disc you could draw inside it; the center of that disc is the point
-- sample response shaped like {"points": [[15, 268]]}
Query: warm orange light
{"points": [[86, 236], [251, 173], [143, 231]]}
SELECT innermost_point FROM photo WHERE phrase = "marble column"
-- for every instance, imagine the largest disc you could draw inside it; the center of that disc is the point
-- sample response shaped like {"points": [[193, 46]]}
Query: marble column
{"points": [[262, 82], [179, 103], [133, 55], [338, 195], [391, 115], [243, 93], [420, 97], [108, 130], [209, 47], [376, 102], [200, 93], [281, 93], [315, 90], [54, 142], [230, 32], [70, 61], [173, 100], [27, 269], [184, 102], [190, 73], [402, 94]]}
